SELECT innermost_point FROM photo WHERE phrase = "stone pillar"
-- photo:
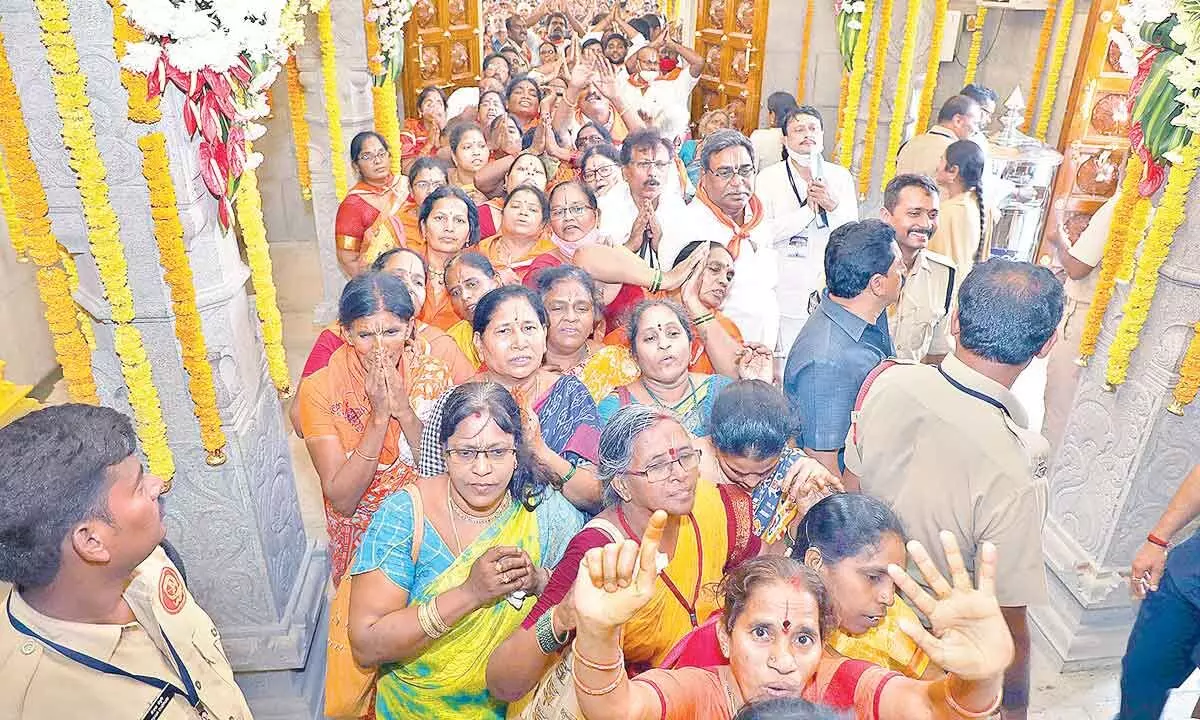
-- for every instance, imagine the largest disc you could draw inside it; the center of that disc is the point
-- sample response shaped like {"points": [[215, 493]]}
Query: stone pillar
{"points": [[354, 91], [1122, 458], [248, 560]]}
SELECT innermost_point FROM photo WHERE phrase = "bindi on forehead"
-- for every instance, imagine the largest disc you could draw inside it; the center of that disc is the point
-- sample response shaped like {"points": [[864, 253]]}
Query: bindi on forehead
{"points": [[473, 425]]}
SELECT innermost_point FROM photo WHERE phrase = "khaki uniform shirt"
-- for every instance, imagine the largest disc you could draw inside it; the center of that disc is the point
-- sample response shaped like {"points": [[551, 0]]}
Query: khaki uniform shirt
{"points": [[920, 321], [951, 452], [922, 154], [39, 683]]}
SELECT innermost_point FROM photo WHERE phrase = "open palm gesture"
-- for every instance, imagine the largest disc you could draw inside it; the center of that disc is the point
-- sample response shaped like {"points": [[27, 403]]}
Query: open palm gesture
{"points": [[616, 580], [968, 637]]}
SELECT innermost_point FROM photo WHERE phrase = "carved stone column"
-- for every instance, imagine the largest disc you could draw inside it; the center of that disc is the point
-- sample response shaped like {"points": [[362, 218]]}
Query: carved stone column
{"points": [[1122, 458], [354, 91], [238, 528]]}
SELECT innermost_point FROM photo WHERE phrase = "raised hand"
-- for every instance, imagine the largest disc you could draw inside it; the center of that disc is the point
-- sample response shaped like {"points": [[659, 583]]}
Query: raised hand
{"points": [[807, 481], [616, 580], [756, 362], [581, 75], [393, 375], [970, 638], [377, 387], [604, 77], [498, 572]]}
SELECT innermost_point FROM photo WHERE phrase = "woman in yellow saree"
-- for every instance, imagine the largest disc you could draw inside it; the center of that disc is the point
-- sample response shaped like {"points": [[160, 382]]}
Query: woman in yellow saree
{"points": [[492, 525], [368, 220]]}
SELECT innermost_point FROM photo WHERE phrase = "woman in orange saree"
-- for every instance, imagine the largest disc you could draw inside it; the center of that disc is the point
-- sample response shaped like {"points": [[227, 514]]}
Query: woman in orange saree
{"points": [[449, 222], [523, 234], [361, 414], [369, 218], [422, 137]]}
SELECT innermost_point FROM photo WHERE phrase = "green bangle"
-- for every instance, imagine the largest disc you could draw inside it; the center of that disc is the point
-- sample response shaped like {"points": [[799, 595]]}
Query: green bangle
{"points": [[570, 474], [543, 629], [656, 283]]}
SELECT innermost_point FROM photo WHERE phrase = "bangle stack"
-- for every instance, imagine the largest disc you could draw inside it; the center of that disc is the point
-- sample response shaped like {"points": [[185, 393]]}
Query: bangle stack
{"points": [[431, 620], [364, 456], [618, 665], [967, 713], [700, 320], [547, 639], [656, 283]]}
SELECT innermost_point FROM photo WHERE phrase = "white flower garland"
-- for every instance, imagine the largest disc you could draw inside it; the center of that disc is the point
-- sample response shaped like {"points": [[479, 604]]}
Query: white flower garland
{"points": [[389, 17]]}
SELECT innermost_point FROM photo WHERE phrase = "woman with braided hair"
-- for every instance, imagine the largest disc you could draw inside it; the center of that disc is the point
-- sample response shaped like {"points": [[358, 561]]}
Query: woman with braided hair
{"points": [[960, 233]]}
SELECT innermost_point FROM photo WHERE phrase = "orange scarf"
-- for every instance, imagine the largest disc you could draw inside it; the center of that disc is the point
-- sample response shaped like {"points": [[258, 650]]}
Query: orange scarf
{"points": [[740, 232]]}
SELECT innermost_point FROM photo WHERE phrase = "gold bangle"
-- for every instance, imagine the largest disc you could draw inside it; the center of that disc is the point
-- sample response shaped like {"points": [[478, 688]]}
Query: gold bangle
{"points": [[618, 663], [596, 691], [966, 713], [426, 623], [436, 617], [364, 456]]}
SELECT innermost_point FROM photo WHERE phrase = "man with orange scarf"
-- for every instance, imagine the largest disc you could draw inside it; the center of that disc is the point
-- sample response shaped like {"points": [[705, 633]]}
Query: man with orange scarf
{"points": [[727, 211]]}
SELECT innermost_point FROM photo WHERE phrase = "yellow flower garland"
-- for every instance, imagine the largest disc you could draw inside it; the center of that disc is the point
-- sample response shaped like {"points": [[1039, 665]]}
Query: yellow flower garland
{"points": [[843, 92], [333, 105], [1046, 108], [383, 94], [177, 272], [81, 315], [854, 90], [882, 40], [933, 66], [976, 45], [9, 205], [903, 90], [297, 106], [1139, 218], [1189, 375], [805, 48], [1110, 263], [1167, 219], [70, 91], [248, 202], [31, 222], [142, 108], [1039, 63]]}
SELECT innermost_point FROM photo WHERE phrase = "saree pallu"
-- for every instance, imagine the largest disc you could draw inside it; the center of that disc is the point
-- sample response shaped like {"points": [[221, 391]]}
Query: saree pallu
{"points": [[693, 411], [448, 679], [369, 220], [607, 369], [885, 644], [464, 337], [414, 139], [514, 269]]}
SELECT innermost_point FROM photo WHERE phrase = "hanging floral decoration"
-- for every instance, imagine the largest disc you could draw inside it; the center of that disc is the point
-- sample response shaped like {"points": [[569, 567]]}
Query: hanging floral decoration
{"points": [[333, 104], [858, 71], [258, 256], [300, 133], [1039, 62], [875, 99], [976, 46], [31, 221], [903, 89], [1167, 218], [383, 91], [1189, 375], [142, 107], [177, 272], [843, 97], [70, 91], [389, 17], [1139, 220], [1110, 263], [223, 55], [1054, 72], [934, 64], [85, 321], [805, 47], [848, 17], [9, 205]]}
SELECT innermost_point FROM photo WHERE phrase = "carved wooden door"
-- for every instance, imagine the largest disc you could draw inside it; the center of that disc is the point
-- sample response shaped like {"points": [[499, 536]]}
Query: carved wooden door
{"points": [[441, 47], [730, 35], [1095, 141]]}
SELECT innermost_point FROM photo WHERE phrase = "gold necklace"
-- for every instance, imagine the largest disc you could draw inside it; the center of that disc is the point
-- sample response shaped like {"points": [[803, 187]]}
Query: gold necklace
{"points": [[468, 517]]}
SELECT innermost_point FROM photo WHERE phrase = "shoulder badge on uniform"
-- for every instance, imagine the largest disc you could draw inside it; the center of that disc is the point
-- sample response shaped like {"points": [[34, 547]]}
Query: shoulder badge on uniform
{"points": [[171, 592]]}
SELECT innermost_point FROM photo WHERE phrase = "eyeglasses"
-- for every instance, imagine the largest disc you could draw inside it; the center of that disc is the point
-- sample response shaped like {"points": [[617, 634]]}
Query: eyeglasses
{"points": [[427, 185], [575, 211], [603, 172], [687, 460], [726, 173], [466, 456], [372, 157], [645, 165]]}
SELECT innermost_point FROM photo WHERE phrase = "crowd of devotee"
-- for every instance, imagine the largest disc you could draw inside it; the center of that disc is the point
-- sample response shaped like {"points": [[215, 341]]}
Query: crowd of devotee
{"points": [[621, 418]]}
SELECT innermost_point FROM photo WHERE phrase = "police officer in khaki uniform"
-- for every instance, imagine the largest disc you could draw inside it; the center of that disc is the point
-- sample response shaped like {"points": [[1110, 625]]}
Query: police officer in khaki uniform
{"points": [[99, 623], [920, 321], [949, 447], [959, 119]]}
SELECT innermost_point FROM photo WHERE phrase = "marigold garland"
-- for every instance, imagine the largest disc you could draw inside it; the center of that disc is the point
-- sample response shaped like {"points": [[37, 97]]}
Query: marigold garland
{"points": [[976, 46], [85, 320], [333, 104], [383, 93], [70, 91], [1039, 63], [854, 89], [31, 221], [1046, 108], [805, 48], [1110, 263], [903, 90], [843, 92], [248, 202], [933, 66], [1139, 218], [177, 272], [882, 40], [297, 107], [9, 205], [1167, 219], [1189, 375], [142, 108]]}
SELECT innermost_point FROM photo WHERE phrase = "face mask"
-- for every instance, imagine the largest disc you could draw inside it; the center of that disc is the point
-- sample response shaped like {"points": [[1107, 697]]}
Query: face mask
{"points": [[648, 75], [800, 158]]}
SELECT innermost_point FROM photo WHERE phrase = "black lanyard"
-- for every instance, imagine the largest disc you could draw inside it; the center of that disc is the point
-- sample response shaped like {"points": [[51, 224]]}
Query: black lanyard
{"points": [[821, 214], [975, 393], [167, 690]]}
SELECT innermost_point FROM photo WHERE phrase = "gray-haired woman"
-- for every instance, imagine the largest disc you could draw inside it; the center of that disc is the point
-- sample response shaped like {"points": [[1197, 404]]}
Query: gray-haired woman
{"points": [[647, 462]]}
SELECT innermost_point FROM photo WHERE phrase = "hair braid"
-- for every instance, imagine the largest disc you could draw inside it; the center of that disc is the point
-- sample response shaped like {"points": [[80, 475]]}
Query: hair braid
{"points": [[978, 193]]}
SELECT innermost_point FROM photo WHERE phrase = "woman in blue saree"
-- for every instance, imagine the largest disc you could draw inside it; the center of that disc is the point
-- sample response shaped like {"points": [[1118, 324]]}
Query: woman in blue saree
{"points": [[558, 412]]}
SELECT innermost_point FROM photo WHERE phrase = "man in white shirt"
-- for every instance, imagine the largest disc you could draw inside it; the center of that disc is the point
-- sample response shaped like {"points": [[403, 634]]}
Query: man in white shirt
{"points": [[649, 91], [644, 213], [805, 199], [727, 211]]}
